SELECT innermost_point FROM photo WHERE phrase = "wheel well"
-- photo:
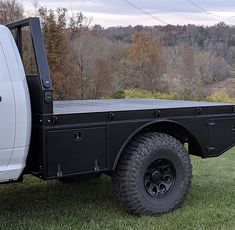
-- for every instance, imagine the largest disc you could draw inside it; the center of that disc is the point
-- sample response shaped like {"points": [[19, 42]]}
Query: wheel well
{"points": [[179, 132], [171, 128]]}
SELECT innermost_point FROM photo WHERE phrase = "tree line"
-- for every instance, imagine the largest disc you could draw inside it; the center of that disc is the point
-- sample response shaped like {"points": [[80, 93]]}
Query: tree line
{"points": [[92, 62]]}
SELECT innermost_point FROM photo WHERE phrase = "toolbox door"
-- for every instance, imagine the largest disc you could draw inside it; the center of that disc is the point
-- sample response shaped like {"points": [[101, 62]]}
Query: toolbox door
{"points": [[75, 151], [221, 135]]}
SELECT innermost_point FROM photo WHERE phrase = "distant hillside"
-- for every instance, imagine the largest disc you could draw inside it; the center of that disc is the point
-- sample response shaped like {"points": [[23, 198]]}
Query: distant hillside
{"points": [[212, 60], [219, 39]]}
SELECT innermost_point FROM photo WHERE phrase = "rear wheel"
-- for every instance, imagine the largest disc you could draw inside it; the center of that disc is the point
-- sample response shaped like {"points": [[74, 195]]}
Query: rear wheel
{"points": [[153, 175]]}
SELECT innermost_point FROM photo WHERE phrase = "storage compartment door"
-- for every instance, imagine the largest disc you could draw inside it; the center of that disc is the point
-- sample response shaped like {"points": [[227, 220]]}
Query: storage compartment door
{"points": [[221, 135], [75, 151]]}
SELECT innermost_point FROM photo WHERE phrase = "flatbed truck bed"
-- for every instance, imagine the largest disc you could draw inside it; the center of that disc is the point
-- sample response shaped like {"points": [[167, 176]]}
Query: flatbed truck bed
{"points": [[107, 105], [143, 144]]}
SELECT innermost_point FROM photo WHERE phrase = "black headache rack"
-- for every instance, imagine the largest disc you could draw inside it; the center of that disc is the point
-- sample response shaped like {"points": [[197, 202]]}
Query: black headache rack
{"points": [[40, 86]]}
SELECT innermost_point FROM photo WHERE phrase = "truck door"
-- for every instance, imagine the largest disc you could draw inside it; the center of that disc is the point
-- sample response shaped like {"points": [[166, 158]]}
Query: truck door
{"points": [[7, 114]]}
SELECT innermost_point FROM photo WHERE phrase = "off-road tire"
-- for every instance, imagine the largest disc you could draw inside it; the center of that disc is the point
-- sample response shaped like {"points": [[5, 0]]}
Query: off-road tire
{"points": [[128, 178]]}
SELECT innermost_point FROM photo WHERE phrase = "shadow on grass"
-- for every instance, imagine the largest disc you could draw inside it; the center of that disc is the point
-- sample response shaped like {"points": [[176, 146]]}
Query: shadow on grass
{"points": [[35, 198]]}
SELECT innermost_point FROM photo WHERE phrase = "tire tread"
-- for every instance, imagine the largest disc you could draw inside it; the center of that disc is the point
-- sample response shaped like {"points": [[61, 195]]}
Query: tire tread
{"points": [[123, 180]]}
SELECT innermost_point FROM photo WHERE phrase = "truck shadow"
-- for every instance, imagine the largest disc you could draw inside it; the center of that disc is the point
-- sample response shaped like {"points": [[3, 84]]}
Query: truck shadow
{"points": [[37, 198]]}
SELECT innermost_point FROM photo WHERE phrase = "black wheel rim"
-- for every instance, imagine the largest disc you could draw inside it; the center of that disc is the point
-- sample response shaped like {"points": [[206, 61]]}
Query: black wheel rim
{"points": [[159, 178]]}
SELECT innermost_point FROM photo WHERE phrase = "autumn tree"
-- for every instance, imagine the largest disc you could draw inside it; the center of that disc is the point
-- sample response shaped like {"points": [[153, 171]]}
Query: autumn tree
{"points": [[146, 53], [103, 78], [59, 58], [54, 24], [91, 54], [190, 81], [210, 67], [78, 24], [187, 55], [10, 10]]}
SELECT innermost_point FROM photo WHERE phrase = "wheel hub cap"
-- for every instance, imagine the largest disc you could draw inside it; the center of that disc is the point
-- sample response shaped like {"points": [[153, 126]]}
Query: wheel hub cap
{"points": [[156, 177], [159, 178]]}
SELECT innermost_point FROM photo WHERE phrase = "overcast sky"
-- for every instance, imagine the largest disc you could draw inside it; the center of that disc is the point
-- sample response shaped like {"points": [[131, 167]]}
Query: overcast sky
{"points": [[120, 13]]}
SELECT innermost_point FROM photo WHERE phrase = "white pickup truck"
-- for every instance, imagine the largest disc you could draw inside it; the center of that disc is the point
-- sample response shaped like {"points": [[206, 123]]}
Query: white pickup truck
{"points": [[15, 110], [139, 142]]}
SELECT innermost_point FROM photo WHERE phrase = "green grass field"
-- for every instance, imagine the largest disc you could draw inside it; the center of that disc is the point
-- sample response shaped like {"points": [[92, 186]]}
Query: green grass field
{"points": [[35, 204]]}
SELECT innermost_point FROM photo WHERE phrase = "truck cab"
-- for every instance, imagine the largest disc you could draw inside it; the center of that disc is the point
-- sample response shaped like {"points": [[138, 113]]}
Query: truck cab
{"points": [[15, 110]]}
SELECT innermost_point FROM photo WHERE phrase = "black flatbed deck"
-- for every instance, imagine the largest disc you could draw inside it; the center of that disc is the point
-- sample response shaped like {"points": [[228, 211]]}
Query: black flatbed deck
{"points": [[96, 106]]}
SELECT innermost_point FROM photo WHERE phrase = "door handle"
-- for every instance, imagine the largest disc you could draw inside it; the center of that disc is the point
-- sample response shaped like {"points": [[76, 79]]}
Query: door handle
{"points": [[0, 98]]}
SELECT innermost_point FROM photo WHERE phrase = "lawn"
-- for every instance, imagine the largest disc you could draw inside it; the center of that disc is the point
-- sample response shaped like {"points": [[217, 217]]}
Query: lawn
{"points": [[35, 204]]}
